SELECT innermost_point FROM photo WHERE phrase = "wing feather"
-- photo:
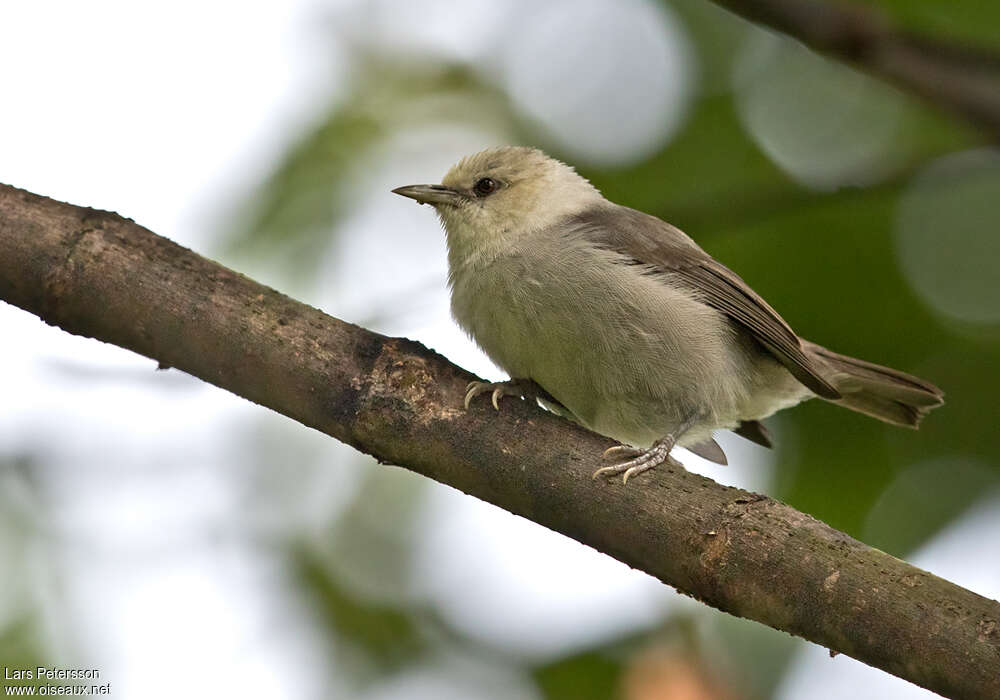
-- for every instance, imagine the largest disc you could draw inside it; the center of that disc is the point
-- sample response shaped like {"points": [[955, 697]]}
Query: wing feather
{"points": [[646, 240]]}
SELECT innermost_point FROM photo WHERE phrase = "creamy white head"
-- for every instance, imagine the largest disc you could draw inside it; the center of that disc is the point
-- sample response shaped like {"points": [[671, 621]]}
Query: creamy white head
{"points": [[491, 200]]}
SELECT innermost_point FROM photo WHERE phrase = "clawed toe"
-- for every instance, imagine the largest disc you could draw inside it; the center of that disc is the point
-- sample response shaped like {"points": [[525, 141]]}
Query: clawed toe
{"points": [[640, 460], [620, 451], [474, 389], [497, 393], [499, 390]]}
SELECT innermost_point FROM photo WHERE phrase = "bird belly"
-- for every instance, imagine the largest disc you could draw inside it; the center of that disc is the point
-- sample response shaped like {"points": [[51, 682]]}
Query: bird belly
{"points": [[629, 354]]}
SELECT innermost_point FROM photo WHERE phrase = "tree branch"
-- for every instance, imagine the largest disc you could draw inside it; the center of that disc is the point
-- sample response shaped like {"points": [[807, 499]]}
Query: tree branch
{"points": [[96, 274], [963, 80]]}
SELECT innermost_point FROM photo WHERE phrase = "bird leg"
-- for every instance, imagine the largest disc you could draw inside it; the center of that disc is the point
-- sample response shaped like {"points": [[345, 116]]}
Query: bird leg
{"points": [[521, 388], [639, 460]]}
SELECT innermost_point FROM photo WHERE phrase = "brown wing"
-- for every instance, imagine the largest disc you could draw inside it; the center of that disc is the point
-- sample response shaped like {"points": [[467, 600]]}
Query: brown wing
{"points": [[649, 241]]}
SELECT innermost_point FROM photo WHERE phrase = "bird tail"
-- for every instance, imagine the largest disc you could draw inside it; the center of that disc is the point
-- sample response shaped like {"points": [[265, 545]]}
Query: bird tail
{"points": [[881, 392]]}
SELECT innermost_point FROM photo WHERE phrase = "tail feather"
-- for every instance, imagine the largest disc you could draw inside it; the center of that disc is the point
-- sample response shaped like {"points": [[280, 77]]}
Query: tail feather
{"points": [[881, 392]]}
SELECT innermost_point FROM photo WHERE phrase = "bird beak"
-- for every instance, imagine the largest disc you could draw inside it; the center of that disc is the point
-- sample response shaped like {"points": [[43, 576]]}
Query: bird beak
{"points": [[430, 194]]}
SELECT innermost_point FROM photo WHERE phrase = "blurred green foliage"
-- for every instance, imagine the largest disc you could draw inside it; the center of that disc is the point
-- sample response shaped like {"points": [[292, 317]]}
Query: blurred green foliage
{"points": [[23, 520], [592, 675], [20, 648], [387, 637], [965, 22]]}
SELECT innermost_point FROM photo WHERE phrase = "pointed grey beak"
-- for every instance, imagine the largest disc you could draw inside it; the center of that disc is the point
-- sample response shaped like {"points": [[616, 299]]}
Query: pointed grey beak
{"points": [[430, 194]]}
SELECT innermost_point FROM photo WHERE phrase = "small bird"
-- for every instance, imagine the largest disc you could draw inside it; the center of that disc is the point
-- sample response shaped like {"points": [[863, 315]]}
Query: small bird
{"points": [[619, 321]]}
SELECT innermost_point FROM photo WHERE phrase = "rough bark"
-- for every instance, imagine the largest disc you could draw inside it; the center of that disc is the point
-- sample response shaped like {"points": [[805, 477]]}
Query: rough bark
{"points": [[964, 80], [96, 274]]}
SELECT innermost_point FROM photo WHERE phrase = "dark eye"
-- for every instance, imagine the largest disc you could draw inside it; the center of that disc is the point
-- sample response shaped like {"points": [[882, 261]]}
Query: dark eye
{"points": [[485, 186]]}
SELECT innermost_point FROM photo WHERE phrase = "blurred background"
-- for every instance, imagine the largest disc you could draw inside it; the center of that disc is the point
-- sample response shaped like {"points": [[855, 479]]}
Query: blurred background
{"points": [[188, 543]]}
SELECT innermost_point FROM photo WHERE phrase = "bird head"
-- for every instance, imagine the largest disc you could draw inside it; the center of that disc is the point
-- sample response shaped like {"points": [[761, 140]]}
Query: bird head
{"points": [[492, 200]]}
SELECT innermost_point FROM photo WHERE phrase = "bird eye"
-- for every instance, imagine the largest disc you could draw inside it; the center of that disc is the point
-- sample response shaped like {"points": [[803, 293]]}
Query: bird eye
{"points": [[485, 186]]}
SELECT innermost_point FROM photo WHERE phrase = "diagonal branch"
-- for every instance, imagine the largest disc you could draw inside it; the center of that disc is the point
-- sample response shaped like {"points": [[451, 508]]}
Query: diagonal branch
{"points": [[96, 274], [964, 80]]}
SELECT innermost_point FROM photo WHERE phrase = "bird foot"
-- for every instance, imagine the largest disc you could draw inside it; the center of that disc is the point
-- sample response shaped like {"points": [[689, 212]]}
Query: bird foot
{"points": [[521, 388], [637, 460]]}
